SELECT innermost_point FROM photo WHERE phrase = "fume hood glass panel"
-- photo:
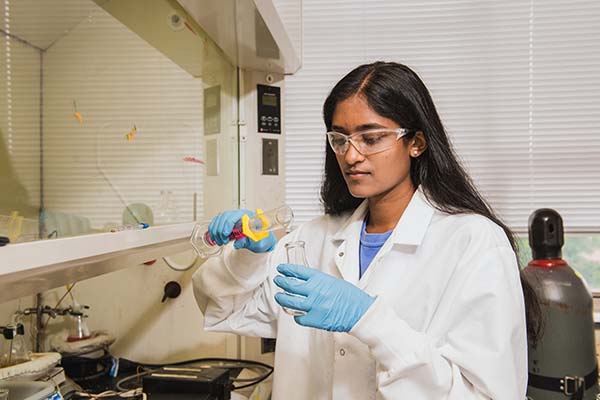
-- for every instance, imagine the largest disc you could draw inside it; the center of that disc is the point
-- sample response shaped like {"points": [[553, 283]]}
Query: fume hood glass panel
{"points": [[102, 118]]}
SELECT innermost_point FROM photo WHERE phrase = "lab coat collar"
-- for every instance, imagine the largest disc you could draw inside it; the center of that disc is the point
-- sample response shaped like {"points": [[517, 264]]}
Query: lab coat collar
{"points": [[414, 221], [410, 229]]}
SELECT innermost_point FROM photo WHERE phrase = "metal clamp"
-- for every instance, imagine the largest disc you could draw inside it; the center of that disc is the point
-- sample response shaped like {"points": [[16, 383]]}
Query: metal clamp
{"points": [[571, 384], [11, 331]]}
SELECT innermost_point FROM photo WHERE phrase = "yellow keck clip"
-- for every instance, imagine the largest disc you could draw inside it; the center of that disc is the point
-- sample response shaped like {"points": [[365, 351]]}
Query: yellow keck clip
{"points": [[255, 236]]}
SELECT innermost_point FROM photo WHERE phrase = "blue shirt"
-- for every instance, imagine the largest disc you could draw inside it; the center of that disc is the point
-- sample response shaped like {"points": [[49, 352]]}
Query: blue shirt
{"points": [[370, 243]]}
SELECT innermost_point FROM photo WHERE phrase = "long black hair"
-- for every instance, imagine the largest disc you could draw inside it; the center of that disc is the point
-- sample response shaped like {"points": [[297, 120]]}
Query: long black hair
{"points": [[396, 92]]}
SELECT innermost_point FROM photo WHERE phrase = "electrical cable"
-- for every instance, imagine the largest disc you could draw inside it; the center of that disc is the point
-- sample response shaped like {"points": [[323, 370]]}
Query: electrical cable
{"points": [[120, 392], [175, 266], [137, 375], [111, 393], [234, 363], [56, 385], [255, 382]]}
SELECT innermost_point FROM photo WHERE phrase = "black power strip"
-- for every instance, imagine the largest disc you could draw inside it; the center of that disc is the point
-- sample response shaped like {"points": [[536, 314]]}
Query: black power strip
{"points": [[187, 382]]}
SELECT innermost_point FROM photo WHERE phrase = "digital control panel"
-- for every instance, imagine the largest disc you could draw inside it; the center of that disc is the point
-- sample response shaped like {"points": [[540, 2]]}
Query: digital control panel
{"points": [[269, 109]]}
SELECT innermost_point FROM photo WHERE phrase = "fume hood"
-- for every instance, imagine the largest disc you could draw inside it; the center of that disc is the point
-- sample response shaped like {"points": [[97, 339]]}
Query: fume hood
{"points": [[116, 114]]}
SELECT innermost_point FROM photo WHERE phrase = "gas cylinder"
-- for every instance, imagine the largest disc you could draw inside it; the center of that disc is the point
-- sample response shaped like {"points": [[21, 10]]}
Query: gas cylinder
{"points": [[562, 362]]}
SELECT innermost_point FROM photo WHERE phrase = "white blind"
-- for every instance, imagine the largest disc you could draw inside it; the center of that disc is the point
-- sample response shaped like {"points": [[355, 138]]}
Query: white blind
{"points": [[19, 125], [516, 83], [118, 81]]}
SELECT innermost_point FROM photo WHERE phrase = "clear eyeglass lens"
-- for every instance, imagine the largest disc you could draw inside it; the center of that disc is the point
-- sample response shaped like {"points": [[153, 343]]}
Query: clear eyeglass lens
{"points": [[367, 142]]}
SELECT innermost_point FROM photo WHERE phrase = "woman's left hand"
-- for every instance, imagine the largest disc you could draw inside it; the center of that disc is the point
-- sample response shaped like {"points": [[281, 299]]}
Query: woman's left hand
{"points": [[330, 303]]}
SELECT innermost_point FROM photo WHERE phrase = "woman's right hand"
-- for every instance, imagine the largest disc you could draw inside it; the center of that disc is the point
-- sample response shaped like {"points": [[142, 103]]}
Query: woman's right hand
{"points": [[222, 225]]}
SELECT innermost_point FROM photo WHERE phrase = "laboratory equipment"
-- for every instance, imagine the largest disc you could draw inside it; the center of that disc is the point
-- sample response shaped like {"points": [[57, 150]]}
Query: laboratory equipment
{"points": [[172, 290], [331, 303], [562, 363], [16, 228], [255, 227], [28, 390], [40, 365], [296, 254], [86, 360], [14, 349], [269, 108], [187, 382], [166, 209], [129, 227], [85, 354], [136, 213], [78, 329]]}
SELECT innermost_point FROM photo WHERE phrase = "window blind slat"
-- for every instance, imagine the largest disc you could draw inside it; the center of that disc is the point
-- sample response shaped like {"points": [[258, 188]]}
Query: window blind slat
{"points": [[516, 84]]}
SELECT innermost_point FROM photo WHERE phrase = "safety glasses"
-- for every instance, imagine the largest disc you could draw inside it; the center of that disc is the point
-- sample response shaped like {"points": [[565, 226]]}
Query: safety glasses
{"points": [[367, 142]]}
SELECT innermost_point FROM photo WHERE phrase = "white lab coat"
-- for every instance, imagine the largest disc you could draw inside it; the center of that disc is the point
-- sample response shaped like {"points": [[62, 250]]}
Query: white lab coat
{"points": [[448, 321]]}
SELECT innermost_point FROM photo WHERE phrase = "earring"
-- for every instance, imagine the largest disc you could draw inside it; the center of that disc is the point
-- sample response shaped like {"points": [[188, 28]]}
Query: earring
{"points": [[415, 153]]}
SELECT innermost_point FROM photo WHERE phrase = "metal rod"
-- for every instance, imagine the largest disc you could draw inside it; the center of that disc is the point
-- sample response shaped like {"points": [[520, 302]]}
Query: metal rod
{"points": [[41, 224], [39, 327], [194, 206]]}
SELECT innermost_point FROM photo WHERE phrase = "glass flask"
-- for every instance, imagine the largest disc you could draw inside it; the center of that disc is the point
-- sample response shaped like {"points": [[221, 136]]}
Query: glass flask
{"points": [[14, 349], [166, 210], [255, 227], [296, 254], [78, 329]]}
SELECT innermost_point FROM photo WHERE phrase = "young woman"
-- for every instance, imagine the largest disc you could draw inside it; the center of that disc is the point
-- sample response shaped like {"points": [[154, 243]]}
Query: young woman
{"points": [[413, 290]]}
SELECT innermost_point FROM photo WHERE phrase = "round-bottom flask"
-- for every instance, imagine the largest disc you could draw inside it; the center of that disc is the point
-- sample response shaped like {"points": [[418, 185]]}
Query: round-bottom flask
{"points": [[296, 254], [78, 329], [202, 242]]}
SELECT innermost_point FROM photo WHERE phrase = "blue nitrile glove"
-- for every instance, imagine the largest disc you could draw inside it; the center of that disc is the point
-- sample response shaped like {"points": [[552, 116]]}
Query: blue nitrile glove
{"points": [[222, 225], [330, 303]]}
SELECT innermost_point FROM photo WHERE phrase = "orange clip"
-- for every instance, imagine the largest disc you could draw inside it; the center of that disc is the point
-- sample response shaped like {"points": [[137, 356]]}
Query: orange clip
{"points": [[131, 134], [77, 115]]}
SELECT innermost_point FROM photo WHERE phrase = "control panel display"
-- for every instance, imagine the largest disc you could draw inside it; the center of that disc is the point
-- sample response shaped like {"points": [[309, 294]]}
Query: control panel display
{"points": [[269, 109]]}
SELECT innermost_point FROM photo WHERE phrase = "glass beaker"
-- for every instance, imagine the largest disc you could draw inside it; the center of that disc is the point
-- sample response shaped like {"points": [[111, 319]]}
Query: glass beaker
{"points": [[296, 254], [255, 227]]}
